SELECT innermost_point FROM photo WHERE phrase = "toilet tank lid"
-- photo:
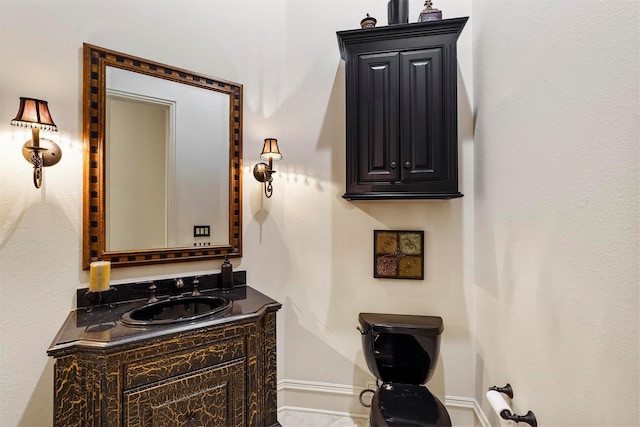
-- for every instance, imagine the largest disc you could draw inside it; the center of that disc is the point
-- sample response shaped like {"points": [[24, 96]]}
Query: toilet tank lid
{"points": [[401, 323]]}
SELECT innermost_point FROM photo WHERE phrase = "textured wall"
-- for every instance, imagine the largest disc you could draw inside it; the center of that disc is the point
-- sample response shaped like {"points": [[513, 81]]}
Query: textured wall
{"points": [[556, 187], [306, 246], [555, 298], [328, 241]]}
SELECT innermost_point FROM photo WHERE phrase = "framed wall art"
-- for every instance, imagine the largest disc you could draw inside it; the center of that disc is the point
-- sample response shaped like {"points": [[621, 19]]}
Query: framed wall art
{"points": [[398, 254]]}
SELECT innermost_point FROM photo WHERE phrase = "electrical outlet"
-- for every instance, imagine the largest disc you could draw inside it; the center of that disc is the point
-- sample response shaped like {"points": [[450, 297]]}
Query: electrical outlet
{"points": [[201, 230]]}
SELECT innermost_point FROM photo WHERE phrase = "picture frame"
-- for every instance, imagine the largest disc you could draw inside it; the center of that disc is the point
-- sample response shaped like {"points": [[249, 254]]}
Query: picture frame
{"points": [[398, 254]]}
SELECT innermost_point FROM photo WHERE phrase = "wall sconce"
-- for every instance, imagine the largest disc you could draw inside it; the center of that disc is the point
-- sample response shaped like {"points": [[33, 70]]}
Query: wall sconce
{"points": [[40, 152], [263, 172]]}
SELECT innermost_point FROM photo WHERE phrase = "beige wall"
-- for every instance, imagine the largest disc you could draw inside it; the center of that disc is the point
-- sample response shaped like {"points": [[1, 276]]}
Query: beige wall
{"points": [[312, 250], [556, 208]]}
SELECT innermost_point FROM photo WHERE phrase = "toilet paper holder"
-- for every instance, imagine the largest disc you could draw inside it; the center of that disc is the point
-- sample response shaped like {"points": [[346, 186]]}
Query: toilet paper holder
{"points": [[504, 410], [504, 390]]}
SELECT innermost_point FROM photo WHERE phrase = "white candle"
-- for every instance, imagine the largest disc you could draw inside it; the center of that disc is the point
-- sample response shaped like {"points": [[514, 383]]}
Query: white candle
{"points": [[99, 274]]}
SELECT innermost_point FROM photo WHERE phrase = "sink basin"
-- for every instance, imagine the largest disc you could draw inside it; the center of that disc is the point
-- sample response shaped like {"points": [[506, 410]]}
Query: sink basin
{"points": [[178, 310]]}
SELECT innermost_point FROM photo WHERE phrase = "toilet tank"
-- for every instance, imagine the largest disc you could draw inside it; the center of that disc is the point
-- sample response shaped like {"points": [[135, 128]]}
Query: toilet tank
{"points": [[401, 348]]}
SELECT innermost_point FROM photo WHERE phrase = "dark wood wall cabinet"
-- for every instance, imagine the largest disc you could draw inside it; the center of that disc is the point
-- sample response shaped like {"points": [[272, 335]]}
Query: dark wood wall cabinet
{"points": [[401, 110], [219, 372]]}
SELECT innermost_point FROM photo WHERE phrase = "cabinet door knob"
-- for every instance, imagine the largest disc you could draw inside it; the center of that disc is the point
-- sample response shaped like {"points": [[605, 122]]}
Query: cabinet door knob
{"points": [[393, 165], [407, 165]]}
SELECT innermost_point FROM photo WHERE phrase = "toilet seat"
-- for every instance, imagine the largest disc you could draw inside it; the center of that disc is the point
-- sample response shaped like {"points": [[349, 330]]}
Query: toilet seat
{"points": [[407, 405]]}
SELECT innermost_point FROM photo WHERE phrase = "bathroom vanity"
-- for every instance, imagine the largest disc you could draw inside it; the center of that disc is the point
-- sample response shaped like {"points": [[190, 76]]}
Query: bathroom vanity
{"points": [[211, 372]]}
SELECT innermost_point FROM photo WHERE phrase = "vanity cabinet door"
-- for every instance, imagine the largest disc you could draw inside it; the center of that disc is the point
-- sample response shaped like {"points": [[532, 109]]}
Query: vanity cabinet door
{"points": [[213, 396]]}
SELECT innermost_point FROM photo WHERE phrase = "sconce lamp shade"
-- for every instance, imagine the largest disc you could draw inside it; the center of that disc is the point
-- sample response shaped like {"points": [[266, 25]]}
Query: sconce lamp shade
{"points": [[34, 113], [263, 172], [270, 150], [40, 152]]}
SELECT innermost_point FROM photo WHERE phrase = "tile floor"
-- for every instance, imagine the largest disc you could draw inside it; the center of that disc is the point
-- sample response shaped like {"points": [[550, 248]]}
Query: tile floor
{"points": [[309, 419]]}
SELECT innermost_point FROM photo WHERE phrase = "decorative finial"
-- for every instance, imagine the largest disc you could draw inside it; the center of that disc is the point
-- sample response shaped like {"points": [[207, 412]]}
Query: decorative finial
{"points": [[429, 13], [368, 22]]}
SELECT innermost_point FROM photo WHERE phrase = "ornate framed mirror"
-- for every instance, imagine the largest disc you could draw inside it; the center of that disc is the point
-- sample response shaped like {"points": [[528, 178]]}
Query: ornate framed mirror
{"points": [[162, 162]]}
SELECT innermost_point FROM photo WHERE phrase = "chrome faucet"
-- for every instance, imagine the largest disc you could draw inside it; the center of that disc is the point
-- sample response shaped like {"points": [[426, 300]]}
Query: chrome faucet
{"points": [[176, 288]]}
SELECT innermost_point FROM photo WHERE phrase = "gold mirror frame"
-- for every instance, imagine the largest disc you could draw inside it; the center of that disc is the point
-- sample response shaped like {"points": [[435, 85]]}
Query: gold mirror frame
{"points": [[95, 61]]}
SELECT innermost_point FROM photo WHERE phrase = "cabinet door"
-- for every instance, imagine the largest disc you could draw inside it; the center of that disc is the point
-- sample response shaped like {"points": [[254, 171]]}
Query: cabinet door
{"points": [[211, 397], [421, 109], [401, 118], [378, 105]]}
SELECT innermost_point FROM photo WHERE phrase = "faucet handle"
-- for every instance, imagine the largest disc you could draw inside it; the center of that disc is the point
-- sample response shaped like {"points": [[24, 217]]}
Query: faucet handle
{"points": [[176, 288]]}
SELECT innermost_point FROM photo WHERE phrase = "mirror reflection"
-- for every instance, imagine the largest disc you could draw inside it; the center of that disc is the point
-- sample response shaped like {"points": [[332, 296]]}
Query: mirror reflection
{"points": [[167, 163], [163, 152]]}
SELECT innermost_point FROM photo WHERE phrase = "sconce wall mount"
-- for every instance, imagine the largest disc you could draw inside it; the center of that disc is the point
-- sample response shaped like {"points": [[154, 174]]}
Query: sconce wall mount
{"points": [[40, 152], [263, 172]]}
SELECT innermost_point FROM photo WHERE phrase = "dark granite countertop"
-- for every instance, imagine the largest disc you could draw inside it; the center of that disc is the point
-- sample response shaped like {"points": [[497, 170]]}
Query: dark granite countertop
{"points": [[101, 329]]}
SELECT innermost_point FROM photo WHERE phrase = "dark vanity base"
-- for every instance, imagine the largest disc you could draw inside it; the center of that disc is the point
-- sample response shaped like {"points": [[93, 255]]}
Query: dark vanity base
{"points": [[218, 372]]}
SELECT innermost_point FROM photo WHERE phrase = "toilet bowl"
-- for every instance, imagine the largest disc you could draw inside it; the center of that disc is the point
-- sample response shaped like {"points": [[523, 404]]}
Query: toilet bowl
{"points": [[402, 352]]}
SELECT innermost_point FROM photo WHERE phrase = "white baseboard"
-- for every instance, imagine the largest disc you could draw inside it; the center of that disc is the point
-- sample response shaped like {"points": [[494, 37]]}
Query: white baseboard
{"points": [[343, 400]]}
